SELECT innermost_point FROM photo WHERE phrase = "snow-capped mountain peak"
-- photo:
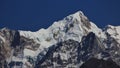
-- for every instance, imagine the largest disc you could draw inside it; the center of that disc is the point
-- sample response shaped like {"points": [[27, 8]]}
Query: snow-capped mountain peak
{"points": [[67, 43], [73, 26]]}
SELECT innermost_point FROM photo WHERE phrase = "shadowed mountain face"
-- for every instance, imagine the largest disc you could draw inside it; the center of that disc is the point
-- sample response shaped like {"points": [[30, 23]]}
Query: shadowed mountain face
{"points": [[65, 54], [68, 43], [9, 39], [12, 45], [71, 53], [97, 63]]}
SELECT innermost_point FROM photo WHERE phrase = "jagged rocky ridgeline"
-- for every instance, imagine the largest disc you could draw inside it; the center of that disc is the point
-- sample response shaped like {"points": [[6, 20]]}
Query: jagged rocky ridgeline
{"points": [[71, 42]]}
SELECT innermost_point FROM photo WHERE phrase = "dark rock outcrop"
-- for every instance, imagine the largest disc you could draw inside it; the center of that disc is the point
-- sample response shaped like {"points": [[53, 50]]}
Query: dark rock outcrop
{"points": [[99, 63], [9, 40]]}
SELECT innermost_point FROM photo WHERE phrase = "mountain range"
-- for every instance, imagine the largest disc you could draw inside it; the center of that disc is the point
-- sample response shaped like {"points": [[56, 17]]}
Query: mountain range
{"points": [[73, 42]]}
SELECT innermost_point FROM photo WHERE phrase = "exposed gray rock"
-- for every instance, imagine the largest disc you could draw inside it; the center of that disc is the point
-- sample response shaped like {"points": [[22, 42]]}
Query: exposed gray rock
{"points": [[99, 63]]}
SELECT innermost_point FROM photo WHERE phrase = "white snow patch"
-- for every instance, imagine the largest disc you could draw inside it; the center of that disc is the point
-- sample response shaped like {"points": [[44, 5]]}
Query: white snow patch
{"points": [[63, 56], [3, 39], [99, 56], [28, 52]]}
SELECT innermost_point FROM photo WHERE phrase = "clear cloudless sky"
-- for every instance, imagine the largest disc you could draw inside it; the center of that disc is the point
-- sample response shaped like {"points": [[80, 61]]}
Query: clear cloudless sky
{"points": [[35, 14]]}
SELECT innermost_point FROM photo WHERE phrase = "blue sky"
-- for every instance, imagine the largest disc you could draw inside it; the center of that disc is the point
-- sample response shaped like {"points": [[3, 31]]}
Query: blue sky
{"points": [[36, 14]]}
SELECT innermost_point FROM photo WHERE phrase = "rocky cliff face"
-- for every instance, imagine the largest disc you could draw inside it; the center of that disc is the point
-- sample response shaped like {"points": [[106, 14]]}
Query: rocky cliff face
{"points": [[12, 47], [72, 53], [68, 43], [97, 63], [8, 40]]}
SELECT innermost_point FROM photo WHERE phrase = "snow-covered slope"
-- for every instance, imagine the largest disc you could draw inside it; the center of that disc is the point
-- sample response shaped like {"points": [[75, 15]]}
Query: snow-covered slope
{"points": [[73, 39], [114, 32], [74, 26]]}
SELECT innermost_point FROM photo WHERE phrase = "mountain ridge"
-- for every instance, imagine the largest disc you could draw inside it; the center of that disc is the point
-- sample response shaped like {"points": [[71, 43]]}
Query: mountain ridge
{"points": [[71, 41]]}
